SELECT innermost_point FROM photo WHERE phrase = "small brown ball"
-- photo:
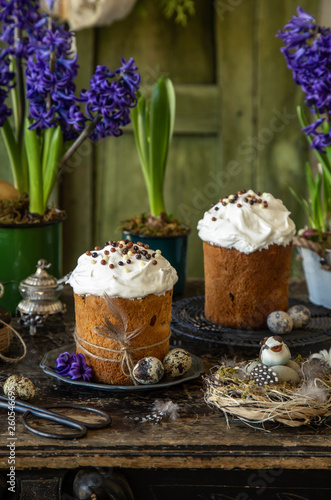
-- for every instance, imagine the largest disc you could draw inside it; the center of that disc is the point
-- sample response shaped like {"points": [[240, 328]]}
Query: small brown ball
{"points": [[8, 191]]}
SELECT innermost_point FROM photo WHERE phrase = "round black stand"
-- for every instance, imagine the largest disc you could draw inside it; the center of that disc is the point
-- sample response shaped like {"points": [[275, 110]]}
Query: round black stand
{"points": [[188, 320]]}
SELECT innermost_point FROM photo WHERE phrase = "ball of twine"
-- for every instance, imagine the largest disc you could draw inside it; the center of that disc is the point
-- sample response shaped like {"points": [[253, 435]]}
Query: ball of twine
{"points": [[6, 334]]}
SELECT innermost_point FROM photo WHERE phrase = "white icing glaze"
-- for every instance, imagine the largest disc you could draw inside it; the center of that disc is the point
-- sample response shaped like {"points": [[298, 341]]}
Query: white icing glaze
{"points": [[130, 281], [250, 227]]}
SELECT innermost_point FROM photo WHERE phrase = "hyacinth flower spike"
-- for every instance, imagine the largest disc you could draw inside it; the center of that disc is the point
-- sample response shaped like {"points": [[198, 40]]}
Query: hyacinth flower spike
{"points": [[38, 66], [307, 50]]}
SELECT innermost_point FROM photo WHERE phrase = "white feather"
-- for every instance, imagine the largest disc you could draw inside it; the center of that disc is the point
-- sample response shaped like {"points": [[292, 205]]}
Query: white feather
{"points": [[324, 356], [310, 390], [166, 409], [312, 369]]}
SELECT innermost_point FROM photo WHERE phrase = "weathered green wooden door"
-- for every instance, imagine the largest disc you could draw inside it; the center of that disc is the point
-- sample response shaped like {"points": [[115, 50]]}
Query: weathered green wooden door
{"points": [[236, 125]]}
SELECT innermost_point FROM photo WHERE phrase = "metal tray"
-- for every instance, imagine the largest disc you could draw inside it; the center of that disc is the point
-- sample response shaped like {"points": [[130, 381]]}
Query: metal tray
{"points": [[48, 364]]}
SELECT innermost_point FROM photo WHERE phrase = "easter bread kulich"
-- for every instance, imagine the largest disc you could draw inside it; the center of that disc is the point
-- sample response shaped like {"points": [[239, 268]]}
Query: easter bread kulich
{"points": [[128, 287], [247, 244]]}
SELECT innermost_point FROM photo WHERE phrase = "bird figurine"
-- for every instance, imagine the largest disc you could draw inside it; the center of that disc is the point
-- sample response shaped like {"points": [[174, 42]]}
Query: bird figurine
{"points": [[274, 351]]}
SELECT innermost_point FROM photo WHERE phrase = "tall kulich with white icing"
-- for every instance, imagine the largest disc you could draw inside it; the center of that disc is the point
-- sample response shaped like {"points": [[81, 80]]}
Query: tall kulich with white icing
{"points": [[247, 258], [138, 282]]}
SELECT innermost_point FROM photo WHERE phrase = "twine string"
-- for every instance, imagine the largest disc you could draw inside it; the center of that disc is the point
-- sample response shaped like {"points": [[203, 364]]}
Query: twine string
{"points": [[14, 360], [312, 245], [127, 352], [119, 334]]}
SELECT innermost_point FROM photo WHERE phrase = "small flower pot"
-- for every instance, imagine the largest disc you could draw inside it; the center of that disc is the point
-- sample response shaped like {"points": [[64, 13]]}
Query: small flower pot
{"points": [[21, 248], [173, 248], [318, 280]]}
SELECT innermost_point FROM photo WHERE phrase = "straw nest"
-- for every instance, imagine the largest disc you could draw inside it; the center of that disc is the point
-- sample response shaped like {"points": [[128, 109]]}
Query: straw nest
{"points": [[230, 389]]}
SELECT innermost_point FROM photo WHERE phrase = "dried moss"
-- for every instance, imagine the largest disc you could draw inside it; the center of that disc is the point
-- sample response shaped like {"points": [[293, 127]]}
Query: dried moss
{"points": [[322, 238], [16, 212], [149, 225]]}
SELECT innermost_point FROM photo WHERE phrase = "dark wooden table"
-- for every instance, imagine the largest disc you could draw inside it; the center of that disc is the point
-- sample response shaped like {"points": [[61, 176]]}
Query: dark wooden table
{"points": [[194, 457]]}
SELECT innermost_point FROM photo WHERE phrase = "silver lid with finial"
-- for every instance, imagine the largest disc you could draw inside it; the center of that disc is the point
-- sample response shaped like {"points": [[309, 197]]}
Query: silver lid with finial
{"points": [[40, 293]]}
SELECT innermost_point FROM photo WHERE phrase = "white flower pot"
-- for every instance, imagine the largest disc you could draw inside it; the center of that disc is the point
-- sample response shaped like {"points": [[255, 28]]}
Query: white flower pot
{"points": [[318, 280]]}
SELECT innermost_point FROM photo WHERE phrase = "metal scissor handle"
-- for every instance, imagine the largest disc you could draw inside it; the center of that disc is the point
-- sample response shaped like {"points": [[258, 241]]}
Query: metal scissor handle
{"points": [[67, 421], [81, 427], [107, 420], [54, 417]]}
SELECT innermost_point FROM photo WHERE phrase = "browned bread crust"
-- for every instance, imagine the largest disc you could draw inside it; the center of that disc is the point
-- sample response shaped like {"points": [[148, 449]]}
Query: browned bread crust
{"points": [[153, 312], [241, 290]]}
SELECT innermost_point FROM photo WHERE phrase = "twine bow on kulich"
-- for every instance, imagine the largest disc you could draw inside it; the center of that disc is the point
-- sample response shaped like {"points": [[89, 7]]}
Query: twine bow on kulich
{"points": [[119, 333]]}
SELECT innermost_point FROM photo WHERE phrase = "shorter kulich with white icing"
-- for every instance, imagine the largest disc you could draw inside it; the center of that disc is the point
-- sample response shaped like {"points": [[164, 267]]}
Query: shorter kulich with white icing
{"points": [[123, 302], [123, 269], [247, 221]]}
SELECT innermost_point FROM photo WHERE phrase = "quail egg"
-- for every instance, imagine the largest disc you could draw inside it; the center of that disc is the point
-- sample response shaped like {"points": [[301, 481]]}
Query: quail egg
{"points": [[300, 316], [148, 370], [20, 387], [279, 322], [177, 362], [286, 374]]}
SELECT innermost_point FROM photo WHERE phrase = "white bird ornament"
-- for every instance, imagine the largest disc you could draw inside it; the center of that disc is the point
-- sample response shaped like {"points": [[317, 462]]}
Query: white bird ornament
{"points": [[274, 351]]}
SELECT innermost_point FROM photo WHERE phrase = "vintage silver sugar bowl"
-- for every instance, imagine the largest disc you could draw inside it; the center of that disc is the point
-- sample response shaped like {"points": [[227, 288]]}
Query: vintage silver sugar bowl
{"points": [[40, 293]]}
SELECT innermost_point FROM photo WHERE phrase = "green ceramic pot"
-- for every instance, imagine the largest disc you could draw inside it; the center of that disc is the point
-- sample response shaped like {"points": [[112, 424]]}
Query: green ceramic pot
{"points": [[173, 248], [20, 249]]}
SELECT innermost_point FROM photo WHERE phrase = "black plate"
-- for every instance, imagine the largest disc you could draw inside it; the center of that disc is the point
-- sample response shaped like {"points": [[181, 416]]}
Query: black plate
{"points": [[48, 364], [188, 319]]}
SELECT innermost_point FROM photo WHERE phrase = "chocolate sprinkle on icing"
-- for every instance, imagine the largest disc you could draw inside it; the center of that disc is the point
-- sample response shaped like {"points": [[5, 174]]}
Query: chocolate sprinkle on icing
{"points": [[127, 249]]}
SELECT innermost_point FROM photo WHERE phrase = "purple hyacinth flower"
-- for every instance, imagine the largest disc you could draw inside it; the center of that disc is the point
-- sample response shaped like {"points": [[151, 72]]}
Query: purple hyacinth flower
{"points": [[79, 368], [110, 98], [50, 4], [6, 83], [127, 72], [50, 75], [46, 51], [22, 16], [63, 363], [311, 128], [307, 50], [73, 366]]}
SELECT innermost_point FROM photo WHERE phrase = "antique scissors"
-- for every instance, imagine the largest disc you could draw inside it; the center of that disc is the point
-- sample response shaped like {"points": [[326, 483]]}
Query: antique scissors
{"points": [[44, 413]]}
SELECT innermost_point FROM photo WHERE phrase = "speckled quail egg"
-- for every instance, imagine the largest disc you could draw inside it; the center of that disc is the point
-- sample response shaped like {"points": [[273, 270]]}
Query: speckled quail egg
{"points": [[177, 362], [279, 322], [20, 387], [300, 316], [286, 374], [148, 370]]}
